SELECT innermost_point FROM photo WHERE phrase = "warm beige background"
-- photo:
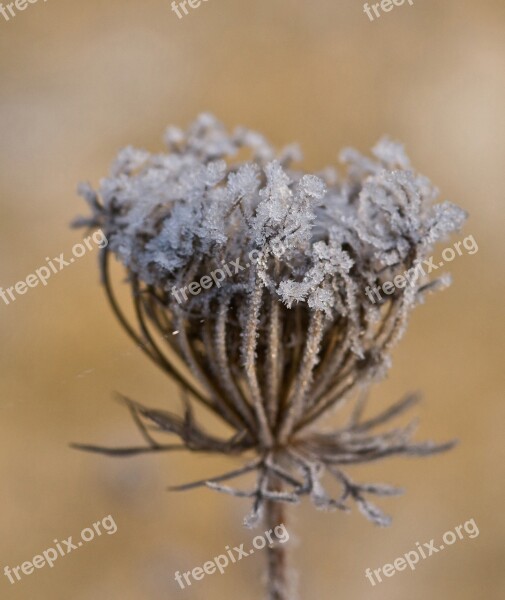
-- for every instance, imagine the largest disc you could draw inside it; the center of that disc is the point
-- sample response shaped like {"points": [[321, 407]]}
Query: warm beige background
{"points": [[82, 79]]}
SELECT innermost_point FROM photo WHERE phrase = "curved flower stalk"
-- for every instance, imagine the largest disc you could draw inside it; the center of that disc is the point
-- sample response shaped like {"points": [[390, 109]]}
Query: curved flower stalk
{"points": [[248, 279]]}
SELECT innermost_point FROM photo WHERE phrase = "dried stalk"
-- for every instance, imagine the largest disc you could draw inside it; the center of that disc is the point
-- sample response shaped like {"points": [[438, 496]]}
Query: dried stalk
{"points": [[277, 345]]}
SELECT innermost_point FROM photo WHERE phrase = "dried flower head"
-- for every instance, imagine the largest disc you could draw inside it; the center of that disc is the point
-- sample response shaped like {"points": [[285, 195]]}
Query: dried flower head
{"points": [[279, 341]]}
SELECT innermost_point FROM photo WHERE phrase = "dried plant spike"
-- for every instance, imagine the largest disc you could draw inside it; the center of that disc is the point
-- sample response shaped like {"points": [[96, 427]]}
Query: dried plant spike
{"points": [[254, 275]]}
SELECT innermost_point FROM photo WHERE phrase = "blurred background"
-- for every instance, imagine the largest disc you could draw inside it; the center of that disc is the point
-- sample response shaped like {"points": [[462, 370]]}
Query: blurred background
{"points": [[81, 80]]}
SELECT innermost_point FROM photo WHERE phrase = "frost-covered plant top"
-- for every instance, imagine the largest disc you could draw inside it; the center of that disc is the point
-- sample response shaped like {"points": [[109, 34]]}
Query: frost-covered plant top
{"points": [[172, 218], [285, 338]]}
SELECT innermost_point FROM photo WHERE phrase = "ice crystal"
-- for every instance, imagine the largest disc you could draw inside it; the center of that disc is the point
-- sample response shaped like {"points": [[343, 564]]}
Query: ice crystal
{"points": [[285, 339]]}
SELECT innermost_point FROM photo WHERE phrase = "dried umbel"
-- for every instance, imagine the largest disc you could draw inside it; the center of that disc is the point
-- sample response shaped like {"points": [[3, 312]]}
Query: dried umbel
{"points": [[254, 274]]}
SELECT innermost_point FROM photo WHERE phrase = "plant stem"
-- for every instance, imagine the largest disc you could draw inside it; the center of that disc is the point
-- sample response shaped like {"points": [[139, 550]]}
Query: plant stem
{"points": [[277, 571]]}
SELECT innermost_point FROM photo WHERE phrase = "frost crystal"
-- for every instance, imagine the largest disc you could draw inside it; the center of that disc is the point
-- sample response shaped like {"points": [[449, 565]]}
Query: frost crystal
{"points": [[288, 332]]}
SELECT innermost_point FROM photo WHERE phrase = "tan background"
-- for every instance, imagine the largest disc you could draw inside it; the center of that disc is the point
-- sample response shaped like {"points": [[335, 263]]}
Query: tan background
{"points": [[79, 80]]}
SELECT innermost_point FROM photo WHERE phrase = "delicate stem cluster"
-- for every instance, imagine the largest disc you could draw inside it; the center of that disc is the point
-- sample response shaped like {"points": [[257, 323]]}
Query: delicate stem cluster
{"points": [[277, 345]]}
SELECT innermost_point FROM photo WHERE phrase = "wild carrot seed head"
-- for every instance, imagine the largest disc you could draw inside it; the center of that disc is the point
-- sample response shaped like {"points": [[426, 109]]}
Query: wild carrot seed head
{"points": [[286, 331]]}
